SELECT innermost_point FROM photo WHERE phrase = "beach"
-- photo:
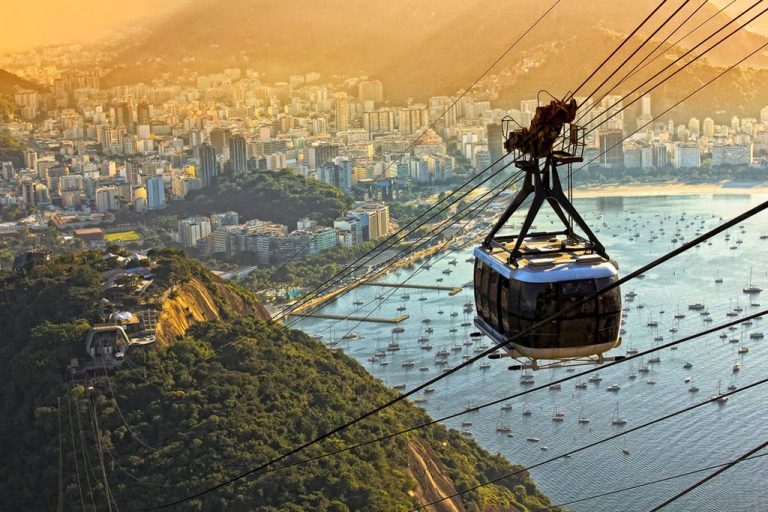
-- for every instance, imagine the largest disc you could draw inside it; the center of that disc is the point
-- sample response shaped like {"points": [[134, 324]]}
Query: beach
{"points": [[671, 188]]}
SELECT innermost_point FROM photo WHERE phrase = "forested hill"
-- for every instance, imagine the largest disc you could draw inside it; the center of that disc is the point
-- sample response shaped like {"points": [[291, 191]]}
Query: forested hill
{"points": [[229, 395], [276, 196]]}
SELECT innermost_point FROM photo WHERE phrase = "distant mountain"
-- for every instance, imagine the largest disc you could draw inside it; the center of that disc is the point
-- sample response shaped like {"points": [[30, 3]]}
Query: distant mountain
{"points": [[418, 49], [10, 83]]}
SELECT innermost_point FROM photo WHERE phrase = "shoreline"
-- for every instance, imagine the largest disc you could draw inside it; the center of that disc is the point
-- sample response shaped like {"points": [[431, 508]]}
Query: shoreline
{"points": [[670, 188]]}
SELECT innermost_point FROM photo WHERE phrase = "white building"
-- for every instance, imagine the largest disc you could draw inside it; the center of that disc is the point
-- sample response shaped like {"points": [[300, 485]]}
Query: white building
{"points": [[732, 154], [193, 229], [686, 155]]}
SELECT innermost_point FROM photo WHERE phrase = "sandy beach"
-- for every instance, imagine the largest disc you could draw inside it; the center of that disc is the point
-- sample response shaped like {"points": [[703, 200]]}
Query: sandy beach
{"points": [[670, 189]]}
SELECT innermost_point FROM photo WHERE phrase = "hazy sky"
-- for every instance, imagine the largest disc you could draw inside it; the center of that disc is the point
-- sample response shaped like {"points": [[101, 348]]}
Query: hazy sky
{"points": [[30, 23]]}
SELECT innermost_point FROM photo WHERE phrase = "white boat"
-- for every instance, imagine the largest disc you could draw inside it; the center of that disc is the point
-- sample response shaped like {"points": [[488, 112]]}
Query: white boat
{"points": [[751, 289], [616, 419], [615, 388], [718, 397]]}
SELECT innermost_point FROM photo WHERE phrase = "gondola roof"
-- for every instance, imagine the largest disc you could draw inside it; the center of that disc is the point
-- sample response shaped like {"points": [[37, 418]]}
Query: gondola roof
{"points": [[535, 267]]}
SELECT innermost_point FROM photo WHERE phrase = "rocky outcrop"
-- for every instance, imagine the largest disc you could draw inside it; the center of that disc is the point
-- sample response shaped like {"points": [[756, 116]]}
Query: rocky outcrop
{"points": [[192, 302], [432, 482]]}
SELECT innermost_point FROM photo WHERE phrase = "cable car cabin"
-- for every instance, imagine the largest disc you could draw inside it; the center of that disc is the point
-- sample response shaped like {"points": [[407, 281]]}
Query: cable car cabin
{"points": [[511, 299]]}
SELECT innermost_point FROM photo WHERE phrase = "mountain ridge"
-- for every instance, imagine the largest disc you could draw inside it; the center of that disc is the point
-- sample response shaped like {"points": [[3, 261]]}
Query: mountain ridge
{"points": [[413, 48]]}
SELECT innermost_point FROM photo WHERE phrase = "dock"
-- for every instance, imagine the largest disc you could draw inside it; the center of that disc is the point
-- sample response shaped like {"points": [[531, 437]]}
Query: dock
{"points": [[395, 320], [452, 290]]}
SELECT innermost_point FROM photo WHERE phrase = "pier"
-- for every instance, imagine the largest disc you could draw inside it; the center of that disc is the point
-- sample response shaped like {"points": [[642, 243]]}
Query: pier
{"points": [[452, 290], [395, 320]]}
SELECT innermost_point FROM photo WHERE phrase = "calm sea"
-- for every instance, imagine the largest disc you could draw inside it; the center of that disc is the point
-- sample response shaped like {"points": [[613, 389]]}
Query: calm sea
{"points": [[709, 435]]}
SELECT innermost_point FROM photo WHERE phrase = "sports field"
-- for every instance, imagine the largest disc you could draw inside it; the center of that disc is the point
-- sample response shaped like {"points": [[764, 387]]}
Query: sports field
{"points": [[124, 236]]}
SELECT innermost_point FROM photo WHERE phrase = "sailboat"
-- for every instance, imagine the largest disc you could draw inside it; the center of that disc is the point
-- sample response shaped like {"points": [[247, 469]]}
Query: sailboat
{"points": [[718, 397], [503, 427], [616, 419], [583, 419], [751, 289]]}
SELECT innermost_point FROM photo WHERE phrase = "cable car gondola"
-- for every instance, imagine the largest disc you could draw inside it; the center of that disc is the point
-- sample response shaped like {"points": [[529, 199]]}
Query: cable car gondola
{"points": [[522, 279]]}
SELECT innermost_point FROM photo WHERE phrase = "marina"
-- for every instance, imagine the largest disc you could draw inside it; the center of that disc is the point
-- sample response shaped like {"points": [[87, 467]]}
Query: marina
{"points": [[587, 404]]}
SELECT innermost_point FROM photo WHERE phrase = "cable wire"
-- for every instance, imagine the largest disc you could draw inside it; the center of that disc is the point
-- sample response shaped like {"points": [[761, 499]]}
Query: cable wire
{"points": [[684, 66], [74, 453], [530, 390], [616, 50], [495, 192], [685, 36], [642, 44], [349, 268], [666, 257], [697, 90], [452, 105], [599, 442], [701, 482], [642, 61], [478, 208], [645, 484]]}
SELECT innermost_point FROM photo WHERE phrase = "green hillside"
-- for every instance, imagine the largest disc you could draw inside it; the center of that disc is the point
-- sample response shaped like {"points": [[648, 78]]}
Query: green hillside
{"points": [[264, 195], [230, 395]]}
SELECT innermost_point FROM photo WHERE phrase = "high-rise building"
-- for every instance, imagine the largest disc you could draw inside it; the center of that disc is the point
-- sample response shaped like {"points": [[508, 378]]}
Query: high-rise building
{"points": [[646, 108], [155, 193], [611, 150], [732, 154], [380, 121], [142, 113], [28, 192], [124, 116], [694, 126], [193, 229], [209, 168], [413, 119], [342, 112], [687, 155], [322, 153], [237, 153], [374, 217], [219, 138], [495, 139], [8, 172], [337, 173], [105, 198], [660, 159], [224, 219], [708, 127], [30, 159]]}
